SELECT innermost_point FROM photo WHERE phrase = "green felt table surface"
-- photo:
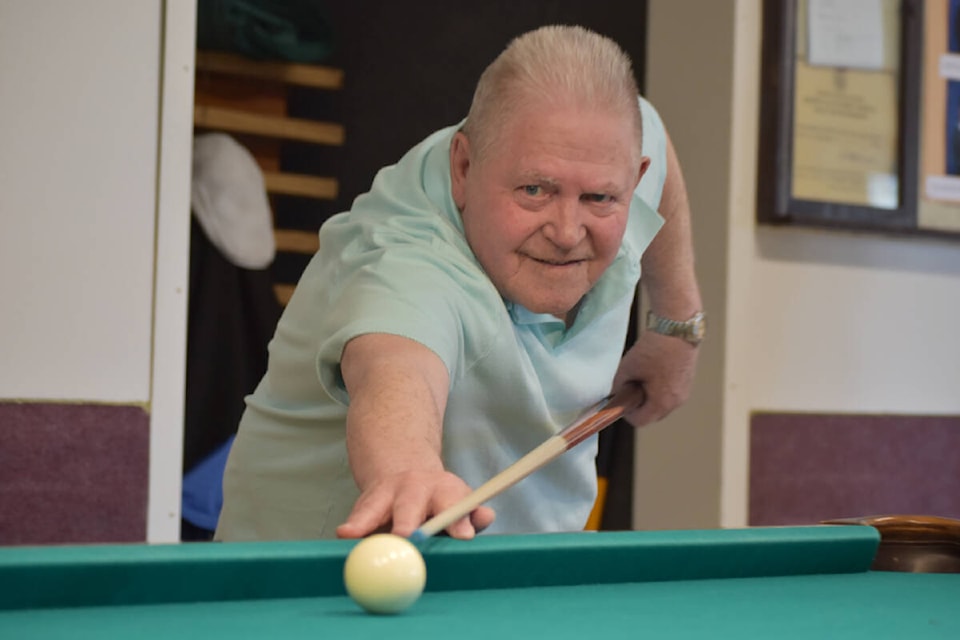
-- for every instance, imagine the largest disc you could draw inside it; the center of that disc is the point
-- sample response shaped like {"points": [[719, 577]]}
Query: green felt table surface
{"points": [[779, 582]]}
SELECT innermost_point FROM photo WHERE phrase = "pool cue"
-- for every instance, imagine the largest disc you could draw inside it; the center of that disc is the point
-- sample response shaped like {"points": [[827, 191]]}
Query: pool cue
{"points": [[598, 417]]}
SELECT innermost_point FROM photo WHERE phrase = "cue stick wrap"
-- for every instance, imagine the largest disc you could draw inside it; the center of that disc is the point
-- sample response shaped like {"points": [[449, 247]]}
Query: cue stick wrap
{"points": [[601, 415]]}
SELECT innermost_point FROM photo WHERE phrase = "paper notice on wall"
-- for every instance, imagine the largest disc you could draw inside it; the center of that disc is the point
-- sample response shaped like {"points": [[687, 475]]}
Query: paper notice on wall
{"points": [[845, 33], [943, 188], [949, 66]]}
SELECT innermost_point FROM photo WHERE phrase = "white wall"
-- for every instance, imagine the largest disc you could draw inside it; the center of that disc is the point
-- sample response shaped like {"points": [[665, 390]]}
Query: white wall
{"points": [[801, 320], [78, 170], [96, 102]]}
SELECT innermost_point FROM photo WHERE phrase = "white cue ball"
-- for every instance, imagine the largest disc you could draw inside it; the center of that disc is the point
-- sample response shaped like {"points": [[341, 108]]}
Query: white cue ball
{"points": [[384, 573]]}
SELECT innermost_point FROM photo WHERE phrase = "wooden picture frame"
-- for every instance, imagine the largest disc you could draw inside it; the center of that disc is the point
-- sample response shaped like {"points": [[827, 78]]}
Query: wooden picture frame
{"points": [[838, 144]]}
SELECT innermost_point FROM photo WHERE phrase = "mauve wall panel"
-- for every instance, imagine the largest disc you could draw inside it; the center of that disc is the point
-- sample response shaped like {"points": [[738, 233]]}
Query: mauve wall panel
{"points": [[805, 468], [73, 473]]}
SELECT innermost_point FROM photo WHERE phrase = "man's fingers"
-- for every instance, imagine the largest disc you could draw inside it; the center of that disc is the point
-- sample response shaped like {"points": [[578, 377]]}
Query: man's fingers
{"points": [[370, 512], [469, 526], [482, 517], [461, 529], [446, 495], [410, 509], [638, 417], [405, 503]]}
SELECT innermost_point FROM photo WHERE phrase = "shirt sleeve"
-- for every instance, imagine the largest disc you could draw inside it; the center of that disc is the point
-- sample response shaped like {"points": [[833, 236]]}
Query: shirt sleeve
{"points": [[650, 189], [370, 305], [644, 221], [397, 263], [417, 292]]}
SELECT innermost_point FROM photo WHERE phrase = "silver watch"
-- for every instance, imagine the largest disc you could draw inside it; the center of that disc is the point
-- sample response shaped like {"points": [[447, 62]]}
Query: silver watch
{"points": [[692, 330]]}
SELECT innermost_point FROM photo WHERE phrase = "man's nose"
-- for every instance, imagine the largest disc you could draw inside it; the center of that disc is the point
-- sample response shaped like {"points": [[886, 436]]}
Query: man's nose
{"points": [[565, 227]]}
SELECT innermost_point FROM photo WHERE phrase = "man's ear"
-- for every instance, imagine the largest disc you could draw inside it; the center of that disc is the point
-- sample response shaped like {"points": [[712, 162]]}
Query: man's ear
{"points": [[459, 167], [644, 165]]}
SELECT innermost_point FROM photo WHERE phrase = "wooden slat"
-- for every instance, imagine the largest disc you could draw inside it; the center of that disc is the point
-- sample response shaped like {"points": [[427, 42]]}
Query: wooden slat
{"points": [[283, 292], [305, 75], [241, 93], [293, 241], [266, 151], [269, 126], [296, 184]]}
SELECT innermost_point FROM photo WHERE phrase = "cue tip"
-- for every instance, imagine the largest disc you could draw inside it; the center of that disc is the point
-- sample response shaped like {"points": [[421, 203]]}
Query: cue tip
{"points": [[418, 536]]}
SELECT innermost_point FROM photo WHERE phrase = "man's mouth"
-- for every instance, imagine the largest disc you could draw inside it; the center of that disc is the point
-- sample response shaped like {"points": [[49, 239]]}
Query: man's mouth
{"points": [[557, 263]]}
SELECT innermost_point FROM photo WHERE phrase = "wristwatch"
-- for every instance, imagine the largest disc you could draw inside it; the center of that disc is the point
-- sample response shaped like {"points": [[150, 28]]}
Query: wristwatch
{"points": [[692, 330]]}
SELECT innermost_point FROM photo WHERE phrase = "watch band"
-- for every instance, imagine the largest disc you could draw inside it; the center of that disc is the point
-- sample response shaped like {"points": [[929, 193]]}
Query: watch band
{"points": [[692, 330]]}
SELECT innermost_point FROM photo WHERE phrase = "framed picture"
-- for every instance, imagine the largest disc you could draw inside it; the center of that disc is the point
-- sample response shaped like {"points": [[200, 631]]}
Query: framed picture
{"points": [[839, 129], [939, 207]]}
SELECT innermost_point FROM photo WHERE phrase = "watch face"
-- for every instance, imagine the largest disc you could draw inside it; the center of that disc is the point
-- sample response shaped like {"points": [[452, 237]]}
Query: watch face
{"points": [[699, 327], [695, 328]]}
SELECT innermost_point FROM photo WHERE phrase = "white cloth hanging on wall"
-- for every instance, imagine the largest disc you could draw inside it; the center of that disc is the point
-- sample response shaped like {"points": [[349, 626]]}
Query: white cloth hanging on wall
{"points": [[229, 198]]}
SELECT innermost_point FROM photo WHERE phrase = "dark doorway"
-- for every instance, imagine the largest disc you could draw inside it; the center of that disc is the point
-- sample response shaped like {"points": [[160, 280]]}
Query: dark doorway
{"points": [[410, 69]]}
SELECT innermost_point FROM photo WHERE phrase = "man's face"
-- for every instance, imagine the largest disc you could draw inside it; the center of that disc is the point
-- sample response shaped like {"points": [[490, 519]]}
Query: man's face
{"points": [[546, 209]]}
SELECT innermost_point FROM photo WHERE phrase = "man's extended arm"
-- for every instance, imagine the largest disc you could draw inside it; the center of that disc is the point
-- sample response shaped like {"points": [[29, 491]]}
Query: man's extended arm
{"points": [[398, 393]]}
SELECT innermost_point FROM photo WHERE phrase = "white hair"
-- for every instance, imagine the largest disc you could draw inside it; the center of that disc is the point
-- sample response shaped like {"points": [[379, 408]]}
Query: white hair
{"points": [[552, 66]]}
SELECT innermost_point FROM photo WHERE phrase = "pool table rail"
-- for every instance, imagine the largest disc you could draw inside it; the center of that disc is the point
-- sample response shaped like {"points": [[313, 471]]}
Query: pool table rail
{"points": [[111, 575], [913, 543]]}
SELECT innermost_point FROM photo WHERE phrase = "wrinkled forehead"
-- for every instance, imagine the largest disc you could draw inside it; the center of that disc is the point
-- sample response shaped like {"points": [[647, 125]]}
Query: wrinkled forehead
{"points": [[525, 110], [529, 116]]}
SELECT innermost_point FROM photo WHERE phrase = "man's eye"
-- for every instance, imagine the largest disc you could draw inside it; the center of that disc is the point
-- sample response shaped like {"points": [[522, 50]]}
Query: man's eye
{"points": [[532, 190], [599, 198]]}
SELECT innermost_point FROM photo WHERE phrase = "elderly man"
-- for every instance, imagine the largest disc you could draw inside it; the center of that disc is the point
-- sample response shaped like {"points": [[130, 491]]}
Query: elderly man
{"points": [[470, 305]]}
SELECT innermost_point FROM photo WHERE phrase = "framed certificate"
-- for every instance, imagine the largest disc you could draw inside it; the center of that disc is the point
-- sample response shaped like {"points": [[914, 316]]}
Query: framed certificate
{"points": [[839, 128], [939, 208]]}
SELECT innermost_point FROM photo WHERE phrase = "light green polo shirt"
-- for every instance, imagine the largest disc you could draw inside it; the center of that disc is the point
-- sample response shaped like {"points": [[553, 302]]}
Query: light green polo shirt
{"points": [[398, 263]]}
